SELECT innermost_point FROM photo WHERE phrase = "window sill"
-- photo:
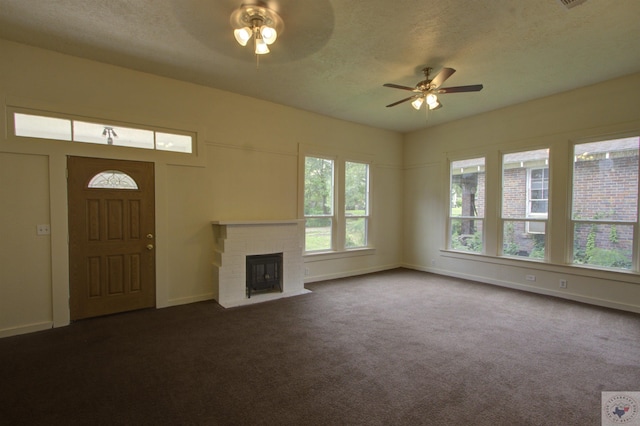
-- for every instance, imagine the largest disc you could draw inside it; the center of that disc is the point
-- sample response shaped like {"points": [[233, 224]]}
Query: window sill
{"points": [[329, 255], [570, 269]]}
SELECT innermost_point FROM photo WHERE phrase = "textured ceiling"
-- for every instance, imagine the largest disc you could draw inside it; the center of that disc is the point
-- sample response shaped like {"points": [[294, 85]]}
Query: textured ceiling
{"points": [[334, 56]]}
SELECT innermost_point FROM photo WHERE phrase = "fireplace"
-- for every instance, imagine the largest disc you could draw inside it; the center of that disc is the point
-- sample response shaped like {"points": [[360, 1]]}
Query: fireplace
{"points": [[265, 253], [264, 273]]}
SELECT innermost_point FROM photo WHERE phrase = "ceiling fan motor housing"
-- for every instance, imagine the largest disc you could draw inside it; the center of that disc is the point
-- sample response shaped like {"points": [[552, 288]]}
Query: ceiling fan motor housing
{"points": [[424, 85]]}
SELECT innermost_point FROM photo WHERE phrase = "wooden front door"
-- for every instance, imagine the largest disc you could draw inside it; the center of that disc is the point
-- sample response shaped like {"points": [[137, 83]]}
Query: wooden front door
{"points": [[111, 236]]}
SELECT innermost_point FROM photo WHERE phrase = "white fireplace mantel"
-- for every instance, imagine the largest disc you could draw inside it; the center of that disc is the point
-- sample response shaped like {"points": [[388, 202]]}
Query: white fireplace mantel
{"points": [[237, 239], [257, 222]]}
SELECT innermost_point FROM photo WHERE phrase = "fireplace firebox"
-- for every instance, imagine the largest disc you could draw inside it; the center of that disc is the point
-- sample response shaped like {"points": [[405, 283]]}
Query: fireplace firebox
{"points": [[264, 273]]}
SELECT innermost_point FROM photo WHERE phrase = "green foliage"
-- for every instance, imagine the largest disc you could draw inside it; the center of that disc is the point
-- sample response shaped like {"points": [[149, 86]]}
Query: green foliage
{"points": [[456, 244], [456, 228], [591, 241], [317, 237], [510, 246], [355, 235], [471, 243], [474, 244], [609, 258], [356, 187], [613, 234], [538, 247], [537, 253], [316, 222], [318, 186]]}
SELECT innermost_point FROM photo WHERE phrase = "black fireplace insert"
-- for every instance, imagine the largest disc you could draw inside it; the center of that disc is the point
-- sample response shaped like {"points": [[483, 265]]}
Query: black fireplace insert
{"points": [[264, 273]]}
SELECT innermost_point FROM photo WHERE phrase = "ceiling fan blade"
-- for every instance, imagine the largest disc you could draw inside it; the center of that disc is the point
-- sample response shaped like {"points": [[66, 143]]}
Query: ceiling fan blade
{"points": [[440, 78], [458, 89], [403, 100], [397, 86]]}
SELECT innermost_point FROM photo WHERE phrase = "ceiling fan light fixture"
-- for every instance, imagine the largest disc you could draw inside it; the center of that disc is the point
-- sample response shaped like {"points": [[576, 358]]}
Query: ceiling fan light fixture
{"points": [[435, 105], [269, 34], [428, 88], [417, 103], [432, 101], [261, 47], [243, 35], [259, 22]]}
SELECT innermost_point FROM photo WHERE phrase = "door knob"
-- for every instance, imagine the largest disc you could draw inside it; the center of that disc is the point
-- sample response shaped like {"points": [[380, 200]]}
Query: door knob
{"points": [[149, 246], [149, 236]]}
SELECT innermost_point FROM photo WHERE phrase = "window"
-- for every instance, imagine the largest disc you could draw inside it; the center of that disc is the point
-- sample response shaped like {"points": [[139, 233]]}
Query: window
{"points": [[604, 208], [174, 142], [356, 204], [112, 179], [66, 129], [467, 201], [35, 126], [525, 203], [538, 191], [318, 203], [108, 135], [336, 218]]}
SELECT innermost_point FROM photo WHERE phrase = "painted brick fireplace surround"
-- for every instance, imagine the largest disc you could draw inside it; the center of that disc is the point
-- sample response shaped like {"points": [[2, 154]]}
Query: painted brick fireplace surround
{"points": [[235, 240]]}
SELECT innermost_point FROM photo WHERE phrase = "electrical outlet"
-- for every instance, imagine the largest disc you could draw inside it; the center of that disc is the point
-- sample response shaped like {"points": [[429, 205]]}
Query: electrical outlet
{"points": [[530, 277], [563, 283], [43, 230], [433, 262], [306, 271]]}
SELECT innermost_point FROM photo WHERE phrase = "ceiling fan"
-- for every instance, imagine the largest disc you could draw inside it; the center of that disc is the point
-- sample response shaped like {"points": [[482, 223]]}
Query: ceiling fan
{"points": [[428, 89]]}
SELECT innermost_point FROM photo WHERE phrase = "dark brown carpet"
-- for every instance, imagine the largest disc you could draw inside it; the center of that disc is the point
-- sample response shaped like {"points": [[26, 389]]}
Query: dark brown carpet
{"points": [[394, 348]]}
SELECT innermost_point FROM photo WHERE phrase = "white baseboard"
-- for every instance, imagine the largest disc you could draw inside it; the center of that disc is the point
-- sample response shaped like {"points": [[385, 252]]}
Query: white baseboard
{"points": [[333, 276], [517, 286], [259, 298], [187, 300], [24, 329]]}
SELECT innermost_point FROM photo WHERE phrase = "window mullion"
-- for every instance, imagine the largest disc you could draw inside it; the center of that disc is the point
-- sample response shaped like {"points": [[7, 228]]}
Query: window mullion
{"points": [[339, 203], [635, 263]]}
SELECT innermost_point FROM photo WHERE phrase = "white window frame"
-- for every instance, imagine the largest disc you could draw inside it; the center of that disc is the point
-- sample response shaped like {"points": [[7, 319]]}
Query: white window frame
{"points": [[364, 216], [451, 219], [332, 217], [338, 237], [531, 229], [635, 224]]}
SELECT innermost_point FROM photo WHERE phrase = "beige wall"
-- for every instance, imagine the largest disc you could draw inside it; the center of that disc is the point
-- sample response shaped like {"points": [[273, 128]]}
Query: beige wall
{"points": [[607, 109], [234, 176], [25, 268]]}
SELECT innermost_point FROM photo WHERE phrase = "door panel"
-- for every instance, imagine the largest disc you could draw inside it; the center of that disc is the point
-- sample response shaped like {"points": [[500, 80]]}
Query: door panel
{"points": [[111, 239]]}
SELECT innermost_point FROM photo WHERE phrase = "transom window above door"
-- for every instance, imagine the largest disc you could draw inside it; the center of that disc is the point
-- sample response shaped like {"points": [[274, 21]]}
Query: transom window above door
{"points": [[96, 131]]}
